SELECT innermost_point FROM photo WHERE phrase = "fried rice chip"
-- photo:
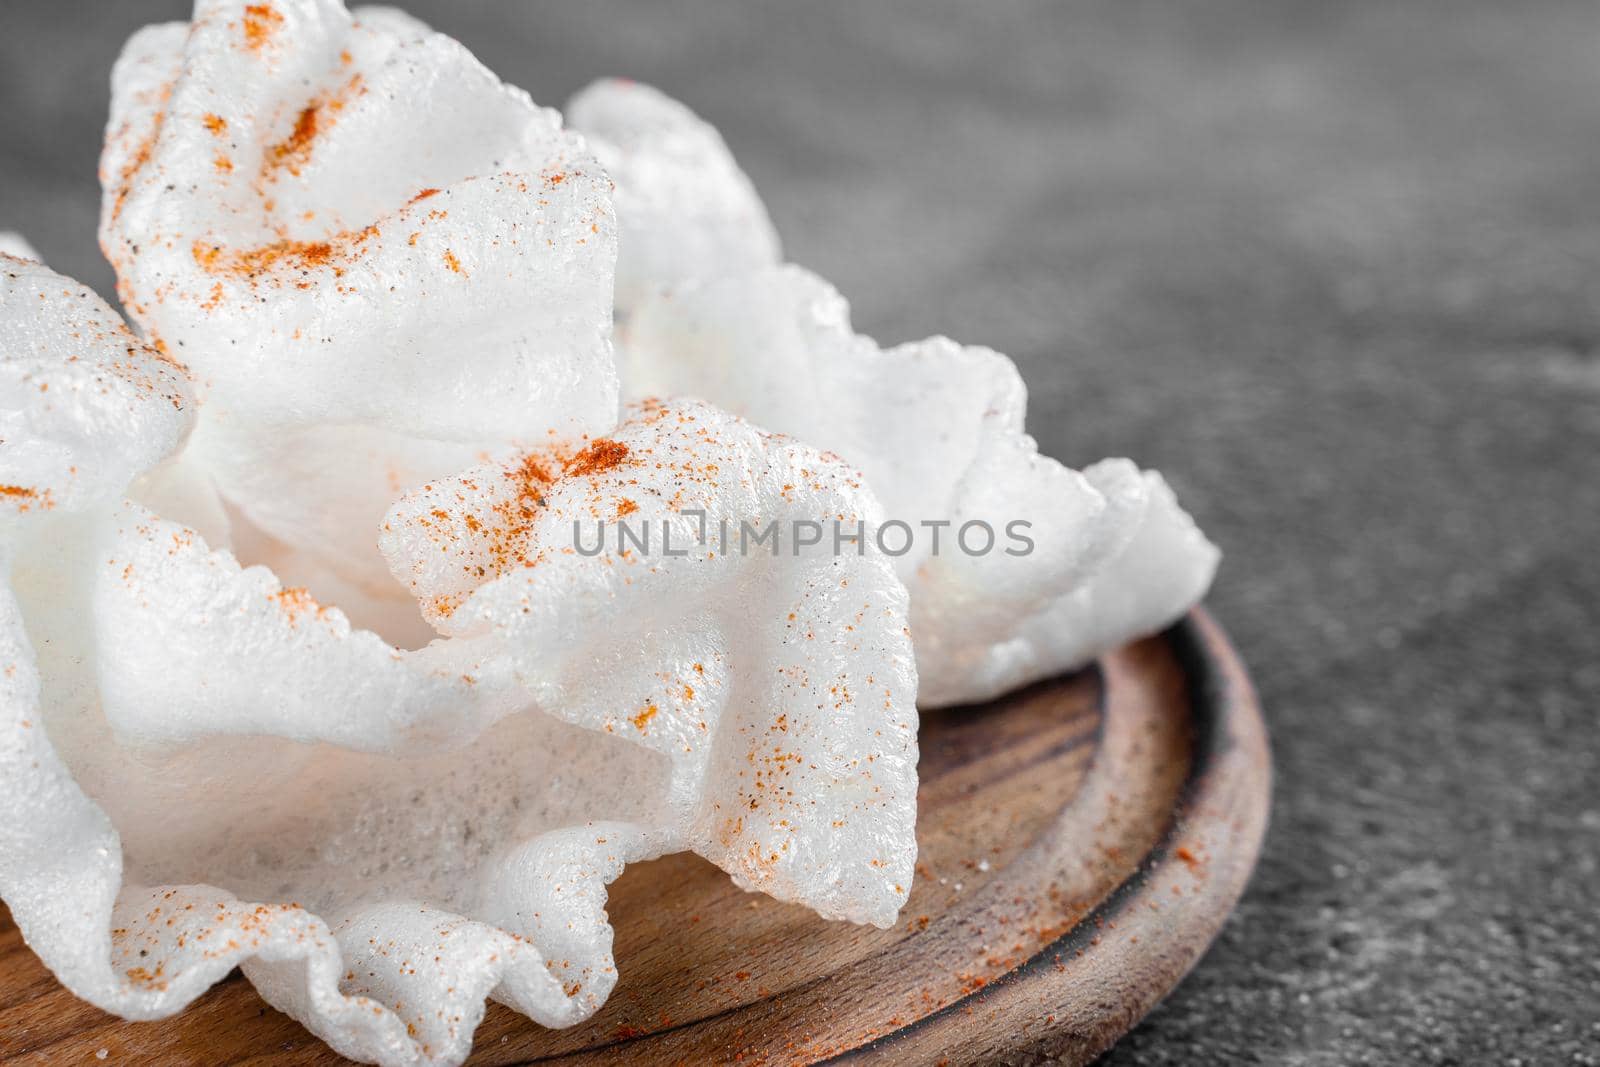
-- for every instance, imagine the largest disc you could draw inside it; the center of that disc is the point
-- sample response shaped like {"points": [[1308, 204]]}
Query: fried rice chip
{"points": [[684, 208], [17, 247], [1018, 567], [212, 770], [85, 406], [776, 677], [375, 258]]}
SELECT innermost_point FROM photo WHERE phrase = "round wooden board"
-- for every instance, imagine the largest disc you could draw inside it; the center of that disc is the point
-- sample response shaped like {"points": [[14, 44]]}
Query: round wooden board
{"points": [[1081, 842]]}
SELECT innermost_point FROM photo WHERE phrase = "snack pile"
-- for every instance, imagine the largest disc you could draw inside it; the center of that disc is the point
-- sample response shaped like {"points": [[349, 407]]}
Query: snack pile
{"points": [[322, 651]]}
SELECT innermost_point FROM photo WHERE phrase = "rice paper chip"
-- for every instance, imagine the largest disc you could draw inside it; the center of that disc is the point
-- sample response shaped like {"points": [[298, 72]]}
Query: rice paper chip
{"points": [[17, 247], [1160, 571], [285, 794], [214, 770], [168, 606], [684, 207], [385, 609], [777, 678], [309, 502], [73, 332], [355, 237], [293, 797], [392, 20], [1018, 566], [322, 212], [85, 406], [210, 770]]}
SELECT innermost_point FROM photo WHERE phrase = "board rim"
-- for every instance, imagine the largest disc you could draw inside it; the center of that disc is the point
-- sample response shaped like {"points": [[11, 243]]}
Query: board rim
{"points": [[1230, 769]]}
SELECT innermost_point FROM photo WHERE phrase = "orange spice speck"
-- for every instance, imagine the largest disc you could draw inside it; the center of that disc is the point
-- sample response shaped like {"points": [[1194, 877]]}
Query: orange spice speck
{"points": [[452, 262], [206, 255], [260, 21], [216, 124], [139, 157], [642, 720], [254, 262], [296, 601], [296, 149], [530, 470], [602, 455]]}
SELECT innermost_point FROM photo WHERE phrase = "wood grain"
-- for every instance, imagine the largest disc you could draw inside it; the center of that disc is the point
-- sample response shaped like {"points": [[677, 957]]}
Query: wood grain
{"points": [[1081, 842]]}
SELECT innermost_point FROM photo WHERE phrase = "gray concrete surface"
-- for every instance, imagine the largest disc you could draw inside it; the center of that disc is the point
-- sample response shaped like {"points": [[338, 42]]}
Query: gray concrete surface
{"points": [[1332, 266]]}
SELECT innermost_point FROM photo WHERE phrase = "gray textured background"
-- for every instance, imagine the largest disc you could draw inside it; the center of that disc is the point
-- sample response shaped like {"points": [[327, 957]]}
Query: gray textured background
{"points": [[1333, 267]]}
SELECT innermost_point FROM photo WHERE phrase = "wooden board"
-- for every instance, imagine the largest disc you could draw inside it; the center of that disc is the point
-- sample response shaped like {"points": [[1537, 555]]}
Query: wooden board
{"points": [[1081, 842]]}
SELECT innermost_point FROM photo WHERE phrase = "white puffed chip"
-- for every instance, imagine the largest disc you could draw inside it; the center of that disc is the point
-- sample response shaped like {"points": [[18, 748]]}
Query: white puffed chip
{"points": [[1018, 567], [217, 771], [354, 236], [17, 247], [392, 21], [684, 207], [167, 606], [85, 407], [211, 771], [777, 679], [324, 213], [311, 500], [1163, 569]]}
